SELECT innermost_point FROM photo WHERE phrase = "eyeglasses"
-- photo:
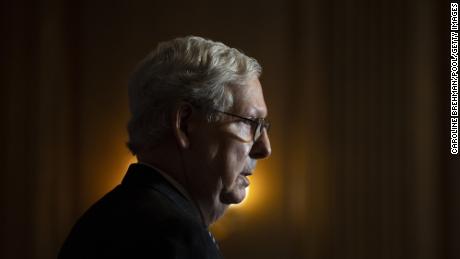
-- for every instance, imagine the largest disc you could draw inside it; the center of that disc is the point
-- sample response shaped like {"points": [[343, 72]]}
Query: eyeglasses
{"points": [[257, 125]]}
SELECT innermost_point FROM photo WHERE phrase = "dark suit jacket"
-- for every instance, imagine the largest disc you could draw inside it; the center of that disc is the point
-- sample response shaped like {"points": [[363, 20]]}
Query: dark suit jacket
{"points": [[143, 217]]}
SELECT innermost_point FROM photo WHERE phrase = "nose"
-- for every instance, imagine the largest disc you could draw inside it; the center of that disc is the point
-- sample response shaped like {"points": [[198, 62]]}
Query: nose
{"points": [[261, 148]]}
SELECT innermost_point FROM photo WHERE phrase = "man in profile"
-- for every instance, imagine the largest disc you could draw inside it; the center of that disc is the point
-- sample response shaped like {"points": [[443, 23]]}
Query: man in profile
{"points": [[197, 128]]}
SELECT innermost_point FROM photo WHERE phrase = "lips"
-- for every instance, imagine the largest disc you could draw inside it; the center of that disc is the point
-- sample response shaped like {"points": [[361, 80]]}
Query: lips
{"points": [[247, 173], [244, 180]]}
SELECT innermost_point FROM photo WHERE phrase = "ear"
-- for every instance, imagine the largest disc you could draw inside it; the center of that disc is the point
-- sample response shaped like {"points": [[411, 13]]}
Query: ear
{"points": [[181, 119]]}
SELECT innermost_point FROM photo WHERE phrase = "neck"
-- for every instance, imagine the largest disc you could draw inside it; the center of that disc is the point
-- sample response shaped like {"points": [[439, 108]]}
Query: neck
{"points": [[166, 160], [171, 162], [211, 210]]}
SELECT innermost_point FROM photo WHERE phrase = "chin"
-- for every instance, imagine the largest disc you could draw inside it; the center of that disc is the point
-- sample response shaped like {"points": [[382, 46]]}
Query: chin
{"points": [[234, 196]]}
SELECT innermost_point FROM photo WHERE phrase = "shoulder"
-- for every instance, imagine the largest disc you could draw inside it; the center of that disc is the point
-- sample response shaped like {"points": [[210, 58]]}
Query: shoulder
{"points": [[138, 210], [139, 220]]}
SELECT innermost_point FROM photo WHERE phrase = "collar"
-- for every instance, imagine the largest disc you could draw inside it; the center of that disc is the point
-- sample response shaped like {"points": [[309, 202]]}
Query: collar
{"points": [[171, 180], [148, 175]]}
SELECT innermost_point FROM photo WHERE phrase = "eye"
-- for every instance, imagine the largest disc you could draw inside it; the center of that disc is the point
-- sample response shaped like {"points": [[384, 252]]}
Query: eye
{"points": [[247, 125], [245, 122], [244, 128]]}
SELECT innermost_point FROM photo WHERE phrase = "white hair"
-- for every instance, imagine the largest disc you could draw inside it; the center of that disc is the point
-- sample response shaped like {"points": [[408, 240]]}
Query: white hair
{"points": [[191, 69]]}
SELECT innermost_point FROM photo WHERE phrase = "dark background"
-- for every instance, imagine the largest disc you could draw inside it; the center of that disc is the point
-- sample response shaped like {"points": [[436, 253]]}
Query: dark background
{"points": [[357, 94]]}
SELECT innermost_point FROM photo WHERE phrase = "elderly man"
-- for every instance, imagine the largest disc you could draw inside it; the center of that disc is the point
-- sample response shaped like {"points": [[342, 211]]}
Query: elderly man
{"points": [[197, 128]]}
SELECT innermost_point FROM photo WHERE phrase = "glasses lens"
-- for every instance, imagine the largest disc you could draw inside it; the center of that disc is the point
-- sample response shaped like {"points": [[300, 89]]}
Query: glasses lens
{"points": [[258, 131], [267, 126]]}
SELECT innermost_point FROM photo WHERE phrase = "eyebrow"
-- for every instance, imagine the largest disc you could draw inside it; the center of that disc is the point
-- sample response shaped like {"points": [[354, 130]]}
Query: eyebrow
{"points": [[257, 113]]}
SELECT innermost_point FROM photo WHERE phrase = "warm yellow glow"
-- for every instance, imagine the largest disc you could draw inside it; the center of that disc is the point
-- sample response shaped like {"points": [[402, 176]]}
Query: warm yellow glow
{"points": [[243, 203], [254, 205], [132, 160], [256, 193], [122, 168]]}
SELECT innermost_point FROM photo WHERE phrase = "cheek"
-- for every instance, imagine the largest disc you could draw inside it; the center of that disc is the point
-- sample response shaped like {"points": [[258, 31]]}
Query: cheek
{"points": [[236, 160], [245, 133]]}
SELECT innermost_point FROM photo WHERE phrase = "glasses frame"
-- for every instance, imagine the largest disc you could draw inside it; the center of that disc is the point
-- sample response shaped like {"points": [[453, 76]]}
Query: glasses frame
{"points": [[259, 124]]}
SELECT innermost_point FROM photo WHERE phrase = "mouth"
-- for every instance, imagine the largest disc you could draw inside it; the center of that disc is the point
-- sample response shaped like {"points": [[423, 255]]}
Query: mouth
{"points": [[246, 173], [244, 178]]}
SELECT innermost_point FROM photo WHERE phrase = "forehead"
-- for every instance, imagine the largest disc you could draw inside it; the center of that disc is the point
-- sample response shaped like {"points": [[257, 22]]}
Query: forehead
{"points": [[249, 100]]}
